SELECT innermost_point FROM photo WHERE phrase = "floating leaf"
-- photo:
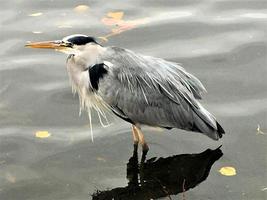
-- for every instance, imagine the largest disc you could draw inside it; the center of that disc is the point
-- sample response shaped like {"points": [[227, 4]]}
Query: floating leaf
{"points": [[35, 14], [81, 8], [42, 134], [115, 15], [228, 171]]}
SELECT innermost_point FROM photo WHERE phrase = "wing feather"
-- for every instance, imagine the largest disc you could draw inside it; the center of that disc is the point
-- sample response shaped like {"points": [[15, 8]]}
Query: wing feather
{"points": [[155, 92]]}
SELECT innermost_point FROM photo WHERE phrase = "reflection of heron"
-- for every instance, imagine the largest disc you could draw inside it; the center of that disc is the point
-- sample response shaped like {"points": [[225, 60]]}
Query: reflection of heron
{"points": [[140, 89], [162, 177]]}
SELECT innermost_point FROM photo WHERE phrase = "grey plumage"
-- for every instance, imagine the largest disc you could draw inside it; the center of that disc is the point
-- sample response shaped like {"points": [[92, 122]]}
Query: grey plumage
{"points": [[140, 89], [154, 92]]}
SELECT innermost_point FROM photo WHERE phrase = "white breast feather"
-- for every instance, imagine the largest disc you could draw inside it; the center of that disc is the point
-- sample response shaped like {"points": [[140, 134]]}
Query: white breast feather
{"points": [[88, 99]]}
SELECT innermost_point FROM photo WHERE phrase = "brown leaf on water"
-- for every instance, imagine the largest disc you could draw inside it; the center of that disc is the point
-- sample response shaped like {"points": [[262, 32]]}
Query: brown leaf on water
{"points": [[228, 171], [81, 8], [42, 134]]}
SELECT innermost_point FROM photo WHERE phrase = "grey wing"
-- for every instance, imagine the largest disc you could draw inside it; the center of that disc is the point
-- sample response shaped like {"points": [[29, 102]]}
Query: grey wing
{"points": [[155, 92]]}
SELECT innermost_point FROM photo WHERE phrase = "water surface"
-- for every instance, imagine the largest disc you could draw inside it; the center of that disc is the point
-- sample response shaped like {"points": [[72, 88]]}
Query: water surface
{"points": [[222, 42]]}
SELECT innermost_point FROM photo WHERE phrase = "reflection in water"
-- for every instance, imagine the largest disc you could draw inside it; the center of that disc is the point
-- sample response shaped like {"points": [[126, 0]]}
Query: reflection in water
{"points": [[156, 178]]}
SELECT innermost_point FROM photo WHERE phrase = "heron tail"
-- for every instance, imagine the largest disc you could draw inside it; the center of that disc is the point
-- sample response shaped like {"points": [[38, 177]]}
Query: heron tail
{"points": [[205, 123], [220, 130]]}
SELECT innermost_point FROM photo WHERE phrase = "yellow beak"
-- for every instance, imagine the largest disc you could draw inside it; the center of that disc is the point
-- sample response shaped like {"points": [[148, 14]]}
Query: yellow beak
{"points": [[47, 45]]}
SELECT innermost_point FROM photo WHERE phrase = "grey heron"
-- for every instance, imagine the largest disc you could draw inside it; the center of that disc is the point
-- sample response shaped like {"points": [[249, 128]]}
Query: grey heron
{"points": [[142, 90]]}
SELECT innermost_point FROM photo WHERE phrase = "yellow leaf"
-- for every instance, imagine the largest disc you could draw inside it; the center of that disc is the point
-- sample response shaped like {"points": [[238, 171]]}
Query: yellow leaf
{"points": [[228, 171], [35, 14], [81, 8], [115, 15], [42, 134]]}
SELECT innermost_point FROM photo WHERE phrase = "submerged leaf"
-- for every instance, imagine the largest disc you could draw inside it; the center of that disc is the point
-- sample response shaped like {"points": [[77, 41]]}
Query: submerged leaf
{"points": [[42, 134], [228, 171]]}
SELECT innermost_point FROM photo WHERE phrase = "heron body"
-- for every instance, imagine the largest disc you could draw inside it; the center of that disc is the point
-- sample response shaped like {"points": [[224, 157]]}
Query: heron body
{"points": [[140, 89]]}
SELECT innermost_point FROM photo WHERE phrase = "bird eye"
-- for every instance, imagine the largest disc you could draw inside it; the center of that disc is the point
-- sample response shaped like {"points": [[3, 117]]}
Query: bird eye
{"points": [[68, 44]]}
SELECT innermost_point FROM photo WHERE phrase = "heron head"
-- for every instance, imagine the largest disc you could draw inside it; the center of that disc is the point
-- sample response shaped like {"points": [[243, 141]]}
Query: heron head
{"points": [[71, 44]]}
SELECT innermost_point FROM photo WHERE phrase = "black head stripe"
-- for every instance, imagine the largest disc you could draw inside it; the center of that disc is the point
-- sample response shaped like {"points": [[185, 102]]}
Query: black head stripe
{"points": [[81, 40]]}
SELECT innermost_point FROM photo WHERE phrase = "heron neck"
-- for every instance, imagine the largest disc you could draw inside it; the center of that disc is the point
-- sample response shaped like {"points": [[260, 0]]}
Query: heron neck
{"points": [[90, 55]]}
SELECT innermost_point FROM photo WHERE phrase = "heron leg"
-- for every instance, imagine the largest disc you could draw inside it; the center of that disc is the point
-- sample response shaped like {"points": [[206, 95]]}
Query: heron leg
{"points": [[142, 141], [135, 138]]}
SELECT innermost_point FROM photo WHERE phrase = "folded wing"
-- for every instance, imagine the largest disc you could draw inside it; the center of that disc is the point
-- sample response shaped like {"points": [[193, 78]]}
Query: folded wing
{"points": [[155, 92]]}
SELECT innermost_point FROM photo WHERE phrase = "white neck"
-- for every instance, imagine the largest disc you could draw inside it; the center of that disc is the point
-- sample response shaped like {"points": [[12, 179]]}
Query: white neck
{"points": [[84, 57], [89, 54]]}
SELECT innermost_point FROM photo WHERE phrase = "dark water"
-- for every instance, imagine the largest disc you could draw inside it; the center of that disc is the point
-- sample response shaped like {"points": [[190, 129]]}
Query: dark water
{"points": [[221, 42]]}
